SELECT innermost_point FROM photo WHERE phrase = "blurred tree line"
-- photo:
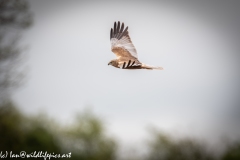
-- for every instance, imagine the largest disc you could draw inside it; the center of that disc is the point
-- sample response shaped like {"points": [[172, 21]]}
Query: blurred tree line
{"points": [[14, 17], [86, 138], [164, 147]]}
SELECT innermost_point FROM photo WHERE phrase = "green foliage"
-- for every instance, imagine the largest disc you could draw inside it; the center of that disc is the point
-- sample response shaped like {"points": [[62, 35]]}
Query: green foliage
{"points": [[163, 147], [11, 135], [85, 139], [39, 139], [88, 138], [15, 136], [233, 152]]}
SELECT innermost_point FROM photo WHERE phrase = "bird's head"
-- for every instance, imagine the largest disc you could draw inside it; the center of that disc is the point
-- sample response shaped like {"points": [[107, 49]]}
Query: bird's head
{"points": [[111, 62]]}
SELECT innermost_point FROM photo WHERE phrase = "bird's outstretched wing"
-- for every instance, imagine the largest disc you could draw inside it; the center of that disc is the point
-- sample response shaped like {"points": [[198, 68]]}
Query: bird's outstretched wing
{"points": [[121, 43]]}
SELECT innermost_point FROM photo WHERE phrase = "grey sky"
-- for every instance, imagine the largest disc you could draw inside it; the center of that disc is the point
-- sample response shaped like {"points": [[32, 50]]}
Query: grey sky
{"points": [[196, 94]]}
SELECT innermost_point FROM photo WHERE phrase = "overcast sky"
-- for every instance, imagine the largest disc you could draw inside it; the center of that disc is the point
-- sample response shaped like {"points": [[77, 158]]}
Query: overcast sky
{"points": [[197, 44]]}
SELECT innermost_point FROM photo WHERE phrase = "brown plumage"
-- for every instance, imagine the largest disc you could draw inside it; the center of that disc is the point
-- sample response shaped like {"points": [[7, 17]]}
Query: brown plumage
{"points": [[124, 49]]}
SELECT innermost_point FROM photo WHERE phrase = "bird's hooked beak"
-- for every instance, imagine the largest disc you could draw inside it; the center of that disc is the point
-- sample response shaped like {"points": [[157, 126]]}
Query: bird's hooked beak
{"points": [[109, 63]]}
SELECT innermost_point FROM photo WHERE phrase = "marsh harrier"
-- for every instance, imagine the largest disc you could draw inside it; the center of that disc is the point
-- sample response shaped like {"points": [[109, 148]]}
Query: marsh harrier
{"points": [[124, 49]]}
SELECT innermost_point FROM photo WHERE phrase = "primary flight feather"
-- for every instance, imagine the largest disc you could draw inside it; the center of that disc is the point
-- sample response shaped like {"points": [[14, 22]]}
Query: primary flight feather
{"points": [[124, 49]]}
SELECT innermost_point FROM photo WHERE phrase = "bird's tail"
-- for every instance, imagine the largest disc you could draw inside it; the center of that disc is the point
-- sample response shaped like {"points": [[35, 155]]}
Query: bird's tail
{"points": [[145, 66]]}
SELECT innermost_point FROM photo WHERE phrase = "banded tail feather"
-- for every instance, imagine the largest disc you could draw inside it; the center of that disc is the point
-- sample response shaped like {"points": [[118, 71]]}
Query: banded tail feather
{"points": [[145, 66]]}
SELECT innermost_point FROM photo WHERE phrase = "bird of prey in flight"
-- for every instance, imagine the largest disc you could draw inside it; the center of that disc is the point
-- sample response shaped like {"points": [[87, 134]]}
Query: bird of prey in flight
{"points": [[124, 49]]}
